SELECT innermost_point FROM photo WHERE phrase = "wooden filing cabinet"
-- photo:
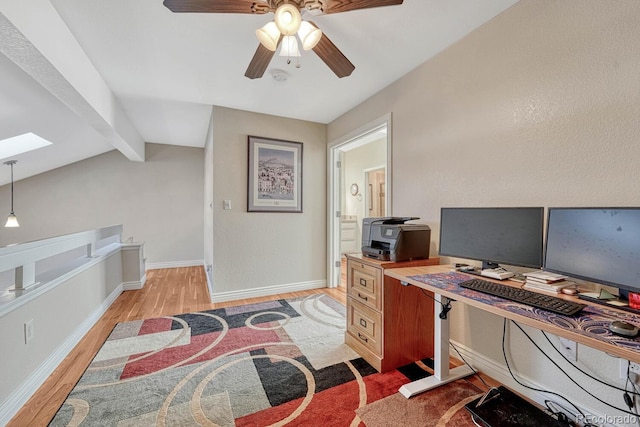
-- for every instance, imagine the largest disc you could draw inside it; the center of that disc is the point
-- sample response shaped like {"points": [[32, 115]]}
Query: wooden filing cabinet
{"points": [[388, 324]]}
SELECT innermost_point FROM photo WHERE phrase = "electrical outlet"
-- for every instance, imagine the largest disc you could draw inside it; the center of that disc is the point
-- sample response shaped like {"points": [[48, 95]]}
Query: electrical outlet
{"points": [[630, 367], [569, 349], [28, 331]]}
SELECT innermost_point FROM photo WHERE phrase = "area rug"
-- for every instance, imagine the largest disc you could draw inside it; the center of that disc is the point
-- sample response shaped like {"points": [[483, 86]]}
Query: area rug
{"points": [[276, 363]]}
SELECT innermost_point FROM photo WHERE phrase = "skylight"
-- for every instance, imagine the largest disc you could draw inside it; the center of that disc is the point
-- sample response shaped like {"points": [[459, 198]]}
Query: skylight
{"points": [[21, 144]]}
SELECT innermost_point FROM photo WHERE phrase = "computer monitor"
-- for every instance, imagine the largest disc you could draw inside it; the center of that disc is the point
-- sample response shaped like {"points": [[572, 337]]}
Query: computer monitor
{"points": [[502, 235], [600, 245]]}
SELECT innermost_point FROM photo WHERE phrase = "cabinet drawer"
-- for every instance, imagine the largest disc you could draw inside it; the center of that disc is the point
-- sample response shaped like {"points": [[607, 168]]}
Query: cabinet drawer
{"points": [[364, 284], [365, 324]]}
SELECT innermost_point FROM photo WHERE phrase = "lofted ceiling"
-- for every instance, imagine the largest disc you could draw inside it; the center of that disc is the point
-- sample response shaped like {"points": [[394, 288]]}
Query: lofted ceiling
{"points": [[96, 75]]}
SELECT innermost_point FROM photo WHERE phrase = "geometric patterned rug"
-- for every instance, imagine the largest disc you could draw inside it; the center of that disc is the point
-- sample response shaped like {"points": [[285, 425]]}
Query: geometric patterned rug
{"points": [[275, 363]]}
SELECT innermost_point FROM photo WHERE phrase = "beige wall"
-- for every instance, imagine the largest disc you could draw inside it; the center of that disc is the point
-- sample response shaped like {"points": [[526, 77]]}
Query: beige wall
{"points": [[158, 201], [538, 107], [355, 162], [255, 250], [58, 316]]}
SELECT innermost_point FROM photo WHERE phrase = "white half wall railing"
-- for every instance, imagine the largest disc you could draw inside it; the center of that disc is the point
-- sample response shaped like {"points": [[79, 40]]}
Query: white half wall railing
{"points": [[22, 257], [52, 291]]}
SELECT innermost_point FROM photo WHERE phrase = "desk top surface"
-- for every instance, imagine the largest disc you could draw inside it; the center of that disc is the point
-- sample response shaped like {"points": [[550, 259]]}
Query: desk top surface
{"points": [[589, 327]]}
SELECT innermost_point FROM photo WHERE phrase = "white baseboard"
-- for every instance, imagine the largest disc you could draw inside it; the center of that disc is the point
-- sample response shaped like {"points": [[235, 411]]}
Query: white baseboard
{"points": [[209, 275], [19, 397], [501, 374], [173, 264], [267, 290], [134, 285]]}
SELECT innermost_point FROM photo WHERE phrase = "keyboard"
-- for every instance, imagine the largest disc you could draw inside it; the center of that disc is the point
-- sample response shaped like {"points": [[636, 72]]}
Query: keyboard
{"points": [[524, 296]]}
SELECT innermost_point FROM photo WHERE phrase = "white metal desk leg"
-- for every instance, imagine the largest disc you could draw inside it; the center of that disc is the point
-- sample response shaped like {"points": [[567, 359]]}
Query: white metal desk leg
{"points": [[442, 374]]}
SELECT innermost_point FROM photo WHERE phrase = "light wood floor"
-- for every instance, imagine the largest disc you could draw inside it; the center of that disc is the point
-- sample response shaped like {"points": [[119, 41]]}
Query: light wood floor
{"points": [[166, 292]]}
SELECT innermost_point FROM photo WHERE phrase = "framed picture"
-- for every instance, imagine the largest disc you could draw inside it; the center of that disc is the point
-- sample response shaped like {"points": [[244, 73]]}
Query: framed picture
{"points": [[275, 175]]}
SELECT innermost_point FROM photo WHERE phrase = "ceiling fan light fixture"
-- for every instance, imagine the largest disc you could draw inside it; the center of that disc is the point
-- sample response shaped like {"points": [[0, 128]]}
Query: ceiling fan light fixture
{"points": [[288, 19], [269, 36], [289, 47], [309, 35]]}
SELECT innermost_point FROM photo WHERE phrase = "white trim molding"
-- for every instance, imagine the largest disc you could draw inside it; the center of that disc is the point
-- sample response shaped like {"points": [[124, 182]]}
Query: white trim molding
{"points": [[267, 290], [334, 182], [175, 264], [134, 285]]}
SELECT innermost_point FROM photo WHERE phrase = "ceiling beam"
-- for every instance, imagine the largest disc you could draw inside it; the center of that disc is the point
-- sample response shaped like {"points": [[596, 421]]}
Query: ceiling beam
{"points": [[36, 39]]}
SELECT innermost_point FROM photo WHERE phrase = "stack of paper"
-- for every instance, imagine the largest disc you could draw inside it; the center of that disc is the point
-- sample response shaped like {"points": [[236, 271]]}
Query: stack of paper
{"points": [[545, 281]]}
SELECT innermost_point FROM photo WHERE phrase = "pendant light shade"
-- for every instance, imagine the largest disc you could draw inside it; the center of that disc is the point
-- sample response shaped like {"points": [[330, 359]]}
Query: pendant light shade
{"points": [[309, 35], [12, 220], [269, 36], [288, 19], [289, 47]]}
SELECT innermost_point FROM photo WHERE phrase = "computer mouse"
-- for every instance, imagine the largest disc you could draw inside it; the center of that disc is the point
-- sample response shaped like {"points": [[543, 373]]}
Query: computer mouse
{"points": [[623, 328], [569, 291]]}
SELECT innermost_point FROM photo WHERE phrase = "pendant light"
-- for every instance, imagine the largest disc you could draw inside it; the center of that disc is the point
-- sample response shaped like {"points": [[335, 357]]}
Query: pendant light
{"points": [[12, 220]]}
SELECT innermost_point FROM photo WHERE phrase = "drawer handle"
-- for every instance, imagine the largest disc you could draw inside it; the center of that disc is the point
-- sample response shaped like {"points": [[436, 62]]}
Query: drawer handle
{"points": [[363, 323], [361, 297], [362, 337], [363, 282]]}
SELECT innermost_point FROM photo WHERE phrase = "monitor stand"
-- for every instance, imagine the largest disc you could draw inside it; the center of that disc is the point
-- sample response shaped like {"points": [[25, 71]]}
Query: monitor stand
{"points": [[442, 373]]}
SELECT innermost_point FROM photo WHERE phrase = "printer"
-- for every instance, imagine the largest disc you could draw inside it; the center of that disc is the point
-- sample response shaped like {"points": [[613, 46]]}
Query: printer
{"points": [[390, 239]]}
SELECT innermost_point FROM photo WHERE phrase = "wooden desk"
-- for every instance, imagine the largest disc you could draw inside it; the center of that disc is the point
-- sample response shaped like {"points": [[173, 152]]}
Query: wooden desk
{"points": [[589, 327], [388, 324]]}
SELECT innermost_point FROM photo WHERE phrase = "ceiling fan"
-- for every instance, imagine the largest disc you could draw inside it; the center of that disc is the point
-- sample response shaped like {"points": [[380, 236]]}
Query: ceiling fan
{"points": [[287, 23]]}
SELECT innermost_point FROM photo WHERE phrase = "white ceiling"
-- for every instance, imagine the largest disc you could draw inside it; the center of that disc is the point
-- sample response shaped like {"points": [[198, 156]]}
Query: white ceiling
{"points": [[94, 75]]}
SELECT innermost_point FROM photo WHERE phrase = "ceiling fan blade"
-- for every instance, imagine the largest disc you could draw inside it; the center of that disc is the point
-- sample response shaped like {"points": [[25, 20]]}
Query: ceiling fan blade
{"points": [[335, 6], [218, 6], [259, 62], [331, 55]]}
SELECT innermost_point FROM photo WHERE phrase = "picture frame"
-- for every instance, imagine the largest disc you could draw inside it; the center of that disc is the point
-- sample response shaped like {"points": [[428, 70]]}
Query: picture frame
{"points": [[274, 175]]}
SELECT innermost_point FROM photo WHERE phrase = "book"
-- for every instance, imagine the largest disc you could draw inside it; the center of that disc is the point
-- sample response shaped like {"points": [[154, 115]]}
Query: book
{"points": [[559, 282], [549, 287], [545, 276], [537, 289]]}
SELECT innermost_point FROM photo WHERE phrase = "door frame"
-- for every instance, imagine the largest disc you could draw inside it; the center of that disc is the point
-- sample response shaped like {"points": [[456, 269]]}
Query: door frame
{"points": [[334, 202]]}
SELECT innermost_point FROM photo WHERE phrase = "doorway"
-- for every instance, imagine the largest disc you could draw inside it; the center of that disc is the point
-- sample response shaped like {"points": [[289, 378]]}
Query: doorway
{"points": [[359, 183]]}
